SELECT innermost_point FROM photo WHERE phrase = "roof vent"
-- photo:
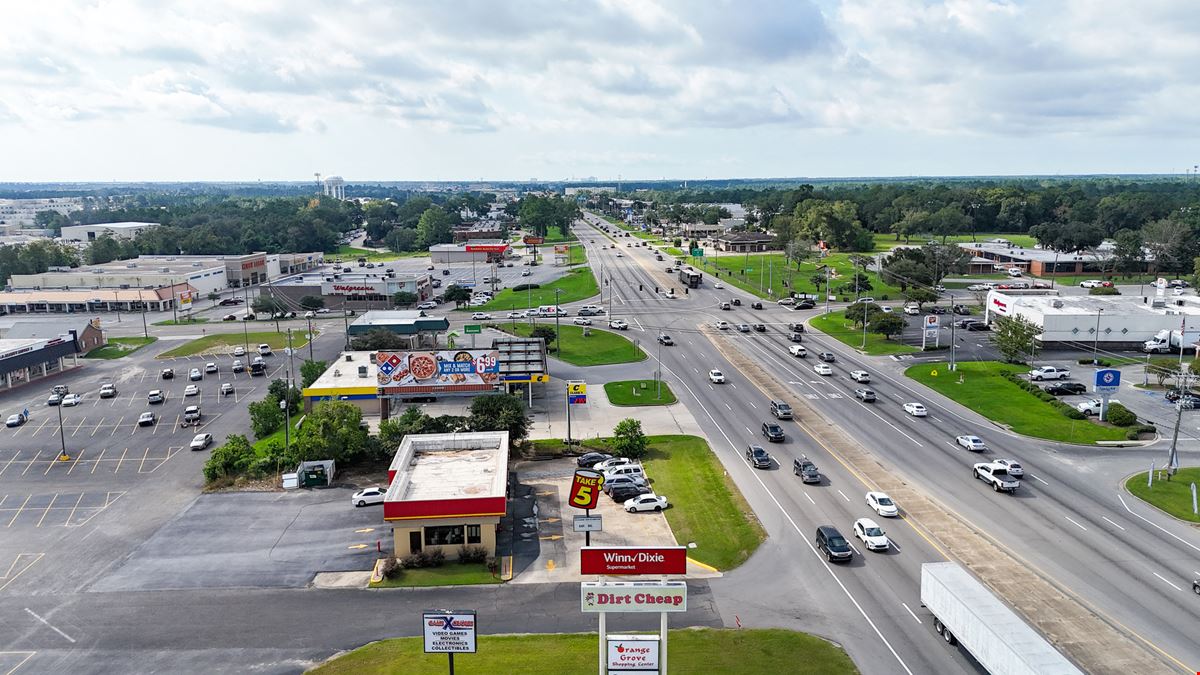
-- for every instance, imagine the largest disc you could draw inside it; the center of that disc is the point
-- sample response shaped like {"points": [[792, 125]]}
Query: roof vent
{"points": [[1057, 304], [349, 357], [362, 371]]}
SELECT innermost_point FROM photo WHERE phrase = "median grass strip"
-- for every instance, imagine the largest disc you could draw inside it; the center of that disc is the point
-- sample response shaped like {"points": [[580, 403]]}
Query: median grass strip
{"points": [[600, 348], [185, 321], [577, 284], [639, 392], [449, 574], [223, 343], [705, 650], [836, 326], [756, 273], [980, 386], [1173, 496], [119, 346]]}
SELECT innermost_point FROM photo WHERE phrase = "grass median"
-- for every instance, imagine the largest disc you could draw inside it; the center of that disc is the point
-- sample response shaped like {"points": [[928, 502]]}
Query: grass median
{"points": [[704, 650], [835, 325], [639, 392], [577, 284], [1173, 496], [185, 321], [120, 346], [979, 385], [599, 348], [451, 573], [223, 343]]}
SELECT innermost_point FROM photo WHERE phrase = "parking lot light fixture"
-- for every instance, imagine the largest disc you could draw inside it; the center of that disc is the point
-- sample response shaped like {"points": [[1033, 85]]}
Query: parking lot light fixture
{"points": [[62, 437]]}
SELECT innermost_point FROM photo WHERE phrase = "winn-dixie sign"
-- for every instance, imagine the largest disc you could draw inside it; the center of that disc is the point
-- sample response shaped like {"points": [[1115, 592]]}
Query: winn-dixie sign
{"points": [[633, 596], [633, 560]]}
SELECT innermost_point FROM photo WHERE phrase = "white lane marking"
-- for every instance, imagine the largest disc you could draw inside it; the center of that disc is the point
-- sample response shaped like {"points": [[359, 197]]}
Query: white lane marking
{"points": [[810, 501], [1167, 582], [856, 551], [729, 406], [914, 616], [682, 355], [1181, 539], [50, 626], [733, 385], [1038, 479], [843, 494], [1113, 524], [752, 405], [934, 419], [1076, 524], [749, 432], [894, 544]]}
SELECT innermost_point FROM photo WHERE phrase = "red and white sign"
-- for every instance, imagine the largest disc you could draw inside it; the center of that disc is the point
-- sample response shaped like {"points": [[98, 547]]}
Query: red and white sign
{"points": [[633, 560], [585, 489], [486, 248], [999, 306], [633, 596], [357, 288]]}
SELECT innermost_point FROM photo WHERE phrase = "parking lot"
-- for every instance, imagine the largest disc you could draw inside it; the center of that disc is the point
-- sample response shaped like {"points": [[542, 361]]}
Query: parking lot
{"points": [[58, 509]]}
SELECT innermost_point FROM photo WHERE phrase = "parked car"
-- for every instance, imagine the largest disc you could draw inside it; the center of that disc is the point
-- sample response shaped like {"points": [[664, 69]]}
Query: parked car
{"points": [[865, 395], [1091, 283], [860, 376], [1066, 388], [1013, 467], [191, 390], [229, 317], [226, 389], [624, 493], [716, 376], [155, 396], [915, 409], [646, 502], [210, 367], [882, 504], [1049, 373], [146, 419], [200, 441], [822, 369], [618, 481], [16, 420], [168, 373], [803, 467], [71, 400], [264, 349], [238, 366], [195, 375], [972, 443], [1092, 407], [871, 535], [961, 310], [606, 464], [590, 459], [831, 542], [239, 351], [773, 432], [371, 495]]}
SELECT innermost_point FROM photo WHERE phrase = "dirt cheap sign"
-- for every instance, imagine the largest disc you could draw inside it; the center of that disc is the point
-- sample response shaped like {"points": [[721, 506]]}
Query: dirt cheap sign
{"points": [[586, 488], [633, 596]]}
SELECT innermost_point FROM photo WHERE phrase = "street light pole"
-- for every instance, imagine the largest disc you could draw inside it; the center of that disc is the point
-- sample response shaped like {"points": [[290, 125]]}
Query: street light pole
{"points": [[310, 338], [61, 436], [557, 331], [658, 374], [1096, 341]]}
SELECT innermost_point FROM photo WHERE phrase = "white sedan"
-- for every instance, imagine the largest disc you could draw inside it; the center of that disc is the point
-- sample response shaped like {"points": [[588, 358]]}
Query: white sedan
{"points": [[1011, 465], [515, 315], [882, 504], [822, 369], [619, 324], [191, 390], [972, 443], [722, 325], [716, 377], [581, 321], [200, 441], [371, 495], [481, 316], [871, 534], [647, 502], [1091, 283], [915, 409], [718, 285], [71, 400], [860, 376]]}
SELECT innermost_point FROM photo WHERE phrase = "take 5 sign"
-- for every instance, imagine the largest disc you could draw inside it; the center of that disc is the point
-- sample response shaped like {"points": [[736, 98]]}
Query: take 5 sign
{"points": [[586, 488], [633, 560]]}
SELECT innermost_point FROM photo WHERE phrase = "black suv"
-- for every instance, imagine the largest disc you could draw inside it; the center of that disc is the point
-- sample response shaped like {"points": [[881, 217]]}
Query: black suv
{"points": [[758, 457], [807, 471], [756, 305], [827, 357], [773, 432], [621, 493], [805, 304], [833, 544], [1068, 388]]}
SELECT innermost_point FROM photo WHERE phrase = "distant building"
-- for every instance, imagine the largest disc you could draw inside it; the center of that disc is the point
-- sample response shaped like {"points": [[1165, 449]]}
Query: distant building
{"points": [[358, 290], [122, 230], [86, 333], [20, 213], [1044, 262], [594, 189], [481, 250], [421, 330], [335, 187], [742, 242]]}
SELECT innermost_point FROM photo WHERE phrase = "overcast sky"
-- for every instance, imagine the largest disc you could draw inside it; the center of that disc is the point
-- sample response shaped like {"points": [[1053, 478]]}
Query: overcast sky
{"points": [[493, 89]]}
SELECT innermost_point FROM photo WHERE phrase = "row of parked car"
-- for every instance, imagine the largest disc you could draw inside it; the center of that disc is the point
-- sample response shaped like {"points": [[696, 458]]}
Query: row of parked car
{"points": [[624, 481]]}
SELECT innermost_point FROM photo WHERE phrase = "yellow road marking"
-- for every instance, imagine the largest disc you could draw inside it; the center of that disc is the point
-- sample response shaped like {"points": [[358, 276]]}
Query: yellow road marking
{"points": [[550, 565], [553, 537], [366, 529]]}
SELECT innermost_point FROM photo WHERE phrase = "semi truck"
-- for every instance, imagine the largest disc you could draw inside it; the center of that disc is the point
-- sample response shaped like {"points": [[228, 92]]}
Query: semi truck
{"points": [[1169, 341], [966, 613]]}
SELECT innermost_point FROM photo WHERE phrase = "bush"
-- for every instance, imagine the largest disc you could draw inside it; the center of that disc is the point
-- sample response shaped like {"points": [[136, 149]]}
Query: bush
{"points": [[884, 296], [391, 568], [525, 287], [435, 558], [1136, 432], [1103, 363], [472, 554], [1120, 416], [1104, 290]]}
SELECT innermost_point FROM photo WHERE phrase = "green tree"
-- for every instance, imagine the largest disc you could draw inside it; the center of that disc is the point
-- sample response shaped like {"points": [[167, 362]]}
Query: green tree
{"points": [[499, 412], [404, 298], [214, 297], [547, 333], [378, 339], [268, 304], [233, 458], [312, 302], [265, 417], [104, 249], [862, 311], [1128, 253], [628, 439], [402, 240], [457, 294], [1015, 337], [886, 324], [434, 227], [333, 431], [50, 220], [948, 221], [920, 295], [310, 371]]}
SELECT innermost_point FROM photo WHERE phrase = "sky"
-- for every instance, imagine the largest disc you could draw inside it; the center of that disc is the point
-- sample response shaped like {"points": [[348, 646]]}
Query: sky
{"points": [[638, 89]]}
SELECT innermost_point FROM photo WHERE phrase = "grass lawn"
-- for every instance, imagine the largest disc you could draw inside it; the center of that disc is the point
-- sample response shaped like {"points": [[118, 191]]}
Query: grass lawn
{"points": [[886, 241], [577, 255], [554, 234], [119, 346], [984, 390], [758, 272], [1174, 496], [577, 284], [221, 343], [672, 252], [638, 392], [351, 254], [1075, 279], [746, 652], [182, 322], [601, 348], [835, 325], [449, 574]]}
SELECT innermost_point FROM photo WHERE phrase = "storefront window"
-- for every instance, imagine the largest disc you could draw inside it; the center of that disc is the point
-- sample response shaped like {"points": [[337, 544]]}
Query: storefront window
{"points": [[473, 534], [444, 535]]}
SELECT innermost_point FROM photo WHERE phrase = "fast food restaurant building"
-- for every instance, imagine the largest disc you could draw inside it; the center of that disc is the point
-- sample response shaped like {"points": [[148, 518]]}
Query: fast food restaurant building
{"points": [[447, 491]]}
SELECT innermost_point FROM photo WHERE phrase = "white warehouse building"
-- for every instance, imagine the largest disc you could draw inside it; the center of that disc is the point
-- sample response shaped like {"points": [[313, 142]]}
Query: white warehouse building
{"points": [[1070, 322]]}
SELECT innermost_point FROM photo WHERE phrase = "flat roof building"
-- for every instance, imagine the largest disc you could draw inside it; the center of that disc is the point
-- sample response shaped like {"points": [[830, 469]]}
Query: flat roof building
{"points": [[358, 289], [122, 230], [351, 378], [741, 242], [1072, 321], [476, 250]]}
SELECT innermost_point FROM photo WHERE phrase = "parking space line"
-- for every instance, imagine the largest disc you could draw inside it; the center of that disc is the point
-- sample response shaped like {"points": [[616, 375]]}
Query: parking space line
{"points": [[121, 460], [96, 462], [71, 515], [47, 511], [142, 464], [98, 425], [19, 510], [39, 454], [14, 458], [43, 426], [77, 458], [79, 427], [117, 426]]}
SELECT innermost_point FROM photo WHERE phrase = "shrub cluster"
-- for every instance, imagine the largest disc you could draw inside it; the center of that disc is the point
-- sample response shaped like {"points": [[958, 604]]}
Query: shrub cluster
{"points": [[472, 554], [1120, 416], [525, 287], [1104, 290], [1136, 432], [1032, 388], [433, 558]]}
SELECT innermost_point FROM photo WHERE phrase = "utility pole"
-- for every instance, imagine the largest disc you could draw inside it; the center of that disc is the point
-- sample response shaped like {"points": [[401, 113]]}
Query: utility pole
{"points": [[145, 329], [557, 330], [174, 301], [1096, 341], [953, 343], [658, 374], [310, 338]]}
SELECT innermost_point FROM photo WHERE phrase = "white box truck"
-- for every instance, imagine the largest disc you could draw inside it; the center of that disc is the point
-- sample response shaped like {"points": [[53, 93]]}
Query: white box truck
{"points": [[966, 613]]}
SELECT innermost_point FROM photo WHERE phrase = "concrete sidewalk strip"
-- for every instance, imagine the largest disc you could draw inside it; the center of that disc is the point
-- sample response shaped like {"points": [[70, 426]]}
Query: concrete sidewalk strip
{"points": [[1091, 641], [342, 579]]}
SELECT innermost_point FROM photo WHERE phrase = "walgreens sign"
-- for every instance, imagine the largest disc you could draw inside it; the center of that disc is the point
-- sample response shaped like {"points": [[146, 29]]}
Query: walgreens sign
{"points": [[633, 560]]}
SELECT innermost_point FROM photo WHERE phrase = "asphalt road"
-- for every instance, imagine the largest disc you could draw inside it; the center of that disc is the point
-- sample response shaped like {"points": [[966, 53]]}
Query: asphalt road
{"points": [[1070, 519]]}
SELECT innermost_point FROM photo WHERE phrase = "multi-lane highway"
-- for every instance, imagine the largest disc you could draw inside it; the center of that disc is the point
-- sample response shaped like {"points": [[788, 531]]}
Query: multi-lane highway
{"points": [[1070, 520]]}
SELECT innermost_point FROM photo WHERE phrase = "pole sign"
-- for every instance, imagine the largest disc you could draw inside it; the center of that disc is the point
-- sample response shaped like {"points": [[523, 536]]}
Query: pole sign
{"points": [[609, 560], [576, 392], [473, 329], [587, 524], [585, 489], [1108, 380], [633, 596], [449, 631], [930, 326], [633, 653]]}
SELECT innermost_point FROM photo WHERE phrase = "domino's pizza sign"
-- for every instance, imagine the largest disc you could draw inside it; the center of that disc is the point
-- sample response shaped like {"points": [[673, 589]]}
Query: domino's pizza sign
{"points": [[1108, 380]]}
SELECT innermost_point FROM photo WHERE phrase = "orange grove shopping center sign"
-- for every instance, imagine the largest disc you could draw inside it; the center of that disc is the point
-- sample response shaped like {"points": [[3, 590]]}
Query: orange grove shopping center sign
{"points": [[586, 488]]}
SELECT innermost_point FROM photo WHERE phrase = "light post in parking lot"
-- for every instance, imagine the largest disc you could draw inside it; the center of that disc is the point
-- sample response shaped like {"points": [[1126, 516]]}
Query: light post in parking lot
{"points": [[1096, 341], [62, 457]]}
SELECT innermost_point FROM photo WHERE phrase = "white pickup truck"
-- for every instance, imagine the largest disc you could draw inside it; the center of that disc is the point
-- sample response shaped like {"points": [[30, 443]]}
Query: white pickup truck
{"points": [[1092, 407], [997, 476], [1048, 373]]}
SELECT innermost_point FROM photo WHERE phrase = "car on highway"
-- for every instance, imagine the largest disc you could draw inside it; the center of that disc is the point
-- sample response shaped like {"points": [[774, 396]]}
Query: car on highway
{"points": [[725, 306], [822, 369], [191, 390], [71, 400], [802, 466], [1066, 388], [743, 328], [580, 321], [865, 395], [716, 377], [882, 504], [108, 390], [1013, 467], [831, 542], [798, 351], [871, 535], [718, 285], [589, 459], [758, 457], [229, 317], [796, 337], [200, 441], [860, 376], [194, 375], [756, 305], [481, 316], [827, 357], [646, 502], [371, 495], [1091, 283], [210, 367], [995, 475], [972, 443], [16, 420], [146, 419], [806, 304], [915, 409], [618, 324], [961, 310], [773, 432], [155, 396], [722, 325], [761, 328]]}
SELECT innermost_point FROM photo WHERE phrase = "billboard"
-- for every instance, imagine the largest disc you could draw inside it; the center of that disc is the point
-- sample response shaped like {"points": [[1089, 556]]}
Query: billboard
{"points": [[633, 596], [633, 560], [562, 249], [185, 299], [531, 240], [585, 488], [463, 370], [449, 632]]}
